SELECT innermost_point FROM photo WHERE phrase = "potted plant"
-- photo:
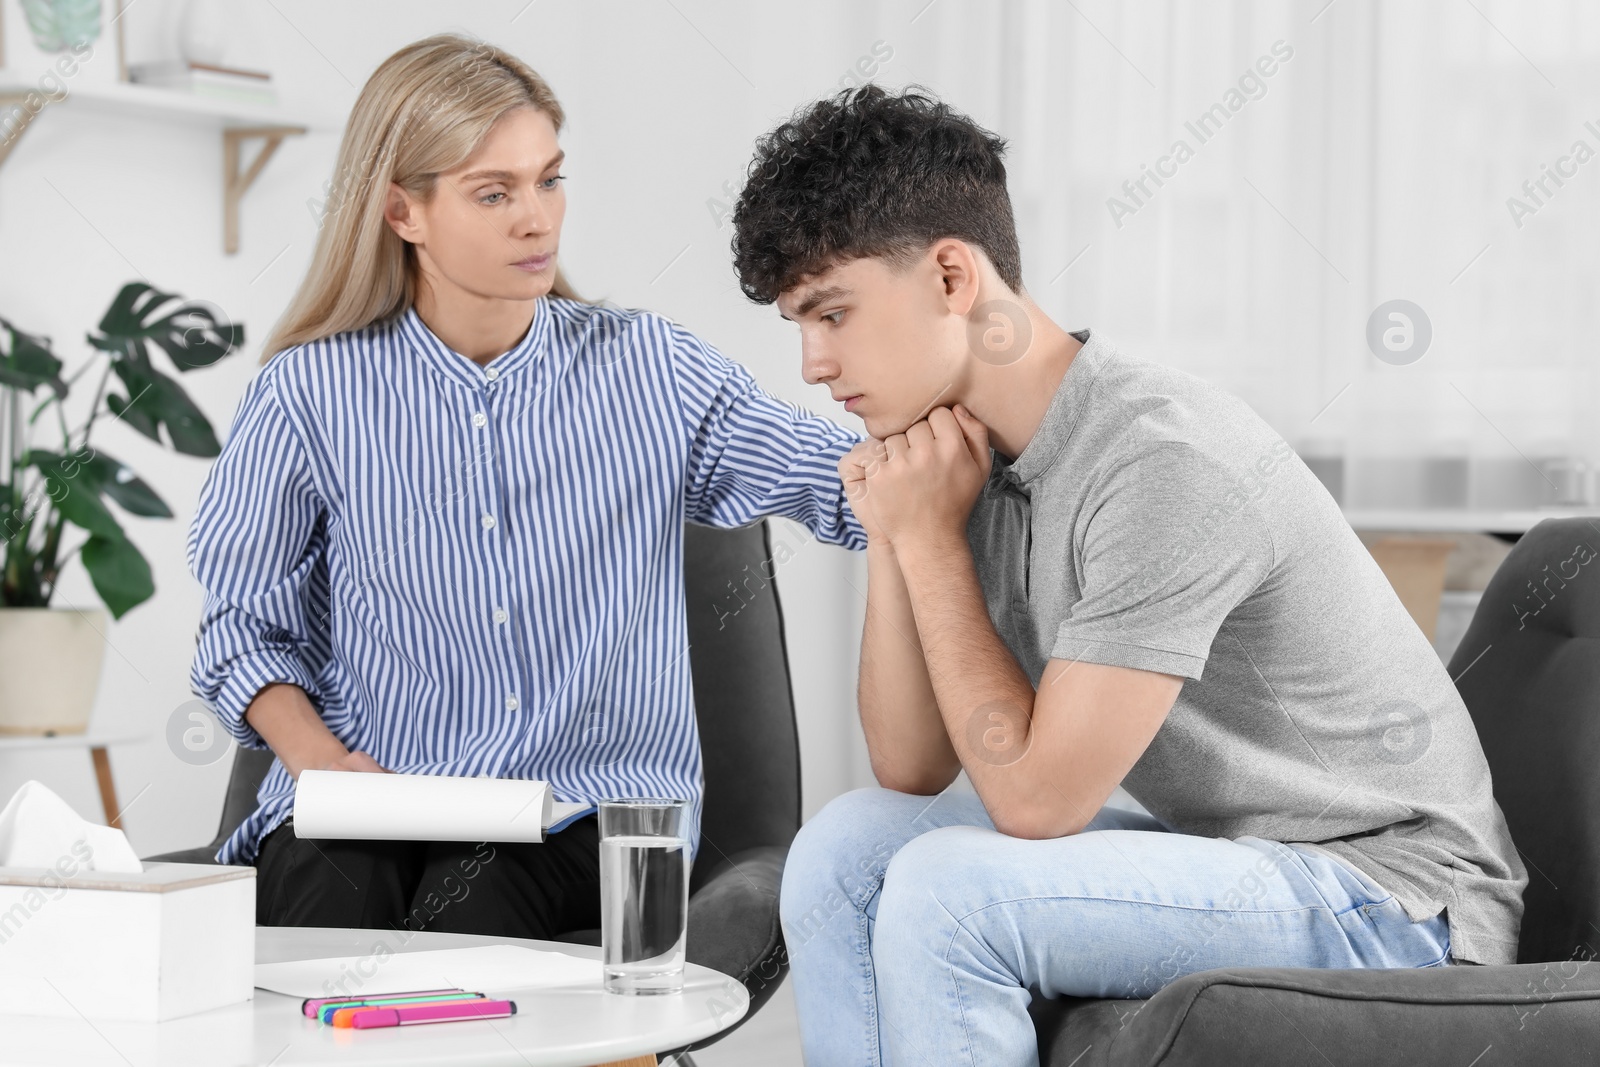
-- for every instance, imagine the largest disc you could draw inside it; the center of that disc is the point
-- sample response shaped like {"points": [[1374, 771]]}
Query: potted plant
{"points": [[50, 657]]}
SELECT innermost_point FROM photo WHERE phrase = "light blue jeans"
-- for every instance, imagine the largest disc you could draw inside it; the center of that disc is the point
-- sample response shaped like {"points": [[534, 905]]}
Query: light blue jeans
{"points": [[918, 934]]}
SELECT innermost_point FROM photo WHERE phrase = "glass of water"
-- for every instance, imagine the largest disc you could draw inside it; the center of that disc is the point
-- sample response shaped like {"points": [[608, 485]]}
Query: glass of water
{"points": [[644, 894]]}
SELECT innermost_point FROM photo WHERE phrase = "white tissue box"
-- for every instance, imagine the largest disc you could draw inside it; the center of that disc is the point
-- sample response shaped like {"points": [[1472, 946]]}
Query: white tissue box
{"points": [[167, 941]]}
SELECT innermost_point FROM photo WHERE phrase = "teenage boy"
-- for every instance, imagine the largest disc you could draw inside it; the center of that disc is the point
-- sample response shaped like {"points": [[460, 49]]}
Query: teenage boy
{"points": [[1083, 570]]}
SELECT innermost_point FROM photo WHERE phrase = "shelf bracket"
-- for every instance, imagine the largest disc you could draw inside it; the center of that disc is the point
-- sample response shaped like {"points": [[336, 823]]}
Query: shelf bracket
{"points": [[10, 135], [235, 183]]}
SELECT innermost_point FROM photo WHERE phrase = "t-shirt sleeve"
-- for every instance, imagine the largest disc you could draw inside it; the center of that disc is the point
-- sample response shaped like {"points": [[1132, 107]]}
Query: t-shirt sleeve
{"points": [[1173, 544]]}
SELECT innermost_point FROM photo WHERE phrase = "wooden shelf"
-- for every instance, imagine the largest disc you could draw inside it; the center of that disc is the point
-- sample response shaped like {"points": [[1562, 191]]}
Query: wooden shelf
{"points": [[237, 121]]}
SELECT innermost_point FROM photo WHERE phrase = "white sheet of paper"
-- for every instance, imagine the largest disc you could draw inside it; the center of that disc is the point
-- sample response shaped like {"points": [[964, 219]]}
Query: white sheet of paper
{"points": [[423, 807], [493, 969]]}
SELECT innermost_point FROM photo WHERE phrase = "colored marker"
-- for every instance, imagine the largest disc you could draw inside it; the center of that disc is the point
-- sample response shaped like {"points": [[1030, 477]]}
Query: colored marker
{"points": [[332, 1013], [311, 1006], [368, 1018]]}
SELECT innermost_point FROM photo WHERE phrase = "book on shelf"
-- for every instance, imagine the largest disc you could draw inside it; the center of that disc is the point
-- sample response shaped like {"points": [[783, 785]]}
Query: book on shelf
{"points": [[206, 79]]}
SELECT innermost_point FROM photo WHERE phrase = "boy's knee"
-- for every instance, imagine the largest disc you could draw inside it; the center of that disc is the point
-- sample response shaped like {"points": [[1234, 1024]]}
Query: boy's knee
{"points": [[862, 807], [838, 857], [852, 823], [931, 867]]}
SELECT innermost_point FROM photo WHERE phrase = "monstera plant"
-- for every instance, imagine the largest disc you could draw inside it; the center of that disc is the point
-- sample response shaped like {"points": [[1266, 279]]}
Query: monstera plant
{"points": [[49, 492]]}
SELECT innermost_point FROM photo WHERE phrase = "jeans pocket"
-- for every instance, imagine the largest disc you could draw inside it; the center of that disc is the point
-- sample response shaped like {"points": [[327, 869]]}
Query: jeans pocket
{"points": [[1407, 942]]}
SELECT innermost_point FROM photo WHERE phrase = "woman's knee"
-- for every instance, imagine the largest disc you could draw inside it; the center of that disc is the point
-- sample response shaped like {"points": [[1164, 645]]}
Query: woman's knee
{"points": [[349, 883], [452, 872]]}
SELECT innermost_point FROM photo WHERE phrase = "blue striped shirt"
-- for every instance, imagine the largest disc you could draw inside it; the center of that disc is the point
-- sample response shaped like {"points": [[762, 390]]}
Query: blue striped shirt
{"points": [[477, 569]]}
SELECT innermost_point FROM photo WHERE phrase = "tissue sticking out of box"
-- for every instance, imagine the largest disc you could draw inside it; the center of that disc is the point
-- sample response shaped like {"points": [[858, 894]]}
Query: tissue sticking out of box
{"points": [[39, 829]]}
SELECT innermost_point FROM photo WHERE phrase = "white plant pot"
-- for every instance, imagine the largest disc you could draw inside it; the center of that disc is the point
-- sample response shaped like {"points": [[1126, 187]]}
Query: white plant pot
{"points": [[50, 660]]}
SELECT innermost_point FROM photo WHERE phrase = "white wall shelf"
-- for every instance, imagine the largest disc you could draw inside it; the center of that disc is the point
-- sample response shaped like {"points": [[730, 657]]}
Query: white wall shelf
{"points": [[237, 121]]}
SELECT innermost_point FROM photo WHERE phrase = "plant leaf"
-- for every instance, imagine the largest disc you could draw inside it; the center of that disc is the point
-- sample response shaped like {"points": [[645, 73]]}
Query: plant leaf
{"points": [[131, 492], [119, 572], [83, 508], [125, 317], [138, 418], [109, 477], [27, 362], [195, 337], [74, 494], [159, 399], [191, 334]]}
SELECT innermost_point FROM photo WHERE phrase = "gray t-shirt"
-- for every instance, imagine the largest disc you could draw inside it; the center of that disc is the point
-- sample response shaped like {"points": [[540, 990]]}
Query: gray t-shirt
{"points": [[1156, 522]]}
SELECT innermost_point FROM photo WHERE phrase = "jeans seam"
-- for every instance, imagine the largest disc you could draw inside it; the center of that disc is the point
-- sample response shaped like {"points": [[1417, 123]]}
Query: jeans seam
{"points": [[955, 977], [1148, 903], [870, 980], [868, 971]]}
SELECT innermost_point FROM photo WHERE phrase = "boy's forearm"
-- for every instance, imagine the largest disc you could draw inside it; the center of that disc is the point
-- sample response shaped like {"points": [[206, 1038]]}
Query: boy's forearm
{"points": [[286, 719], [906, 738]]}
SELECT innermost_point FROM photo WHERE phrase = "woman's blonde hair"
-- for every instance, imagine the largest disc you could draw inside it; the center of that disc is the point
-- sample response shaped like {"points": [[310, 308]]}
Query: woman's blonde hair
{"points": [[423, 112]]}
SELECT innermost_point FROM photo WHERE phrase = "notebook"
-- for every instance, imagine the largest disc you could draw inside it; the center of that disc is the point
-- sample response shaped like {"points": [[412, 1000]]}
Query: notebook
{"points": [[427, 807]]}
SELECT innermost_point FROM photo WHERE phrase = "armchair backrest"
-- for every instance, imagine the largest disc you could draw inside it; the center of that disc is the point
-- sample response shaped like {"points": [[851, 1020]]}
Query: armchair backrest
{"points": [[1529, 671], [742, 695]]}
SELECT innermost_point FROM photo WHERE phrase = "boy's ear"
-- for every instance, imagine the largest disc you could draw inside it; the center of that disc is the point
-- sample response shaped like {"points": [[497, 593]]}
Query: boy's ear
{"points": [[959, 271]]}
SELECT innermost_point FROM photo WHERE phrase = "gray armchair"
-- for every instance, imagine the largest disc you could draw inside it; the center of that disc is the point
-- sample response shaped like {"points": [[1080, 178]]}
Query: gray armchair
{"points": [[1529, 671], [751, 752]]}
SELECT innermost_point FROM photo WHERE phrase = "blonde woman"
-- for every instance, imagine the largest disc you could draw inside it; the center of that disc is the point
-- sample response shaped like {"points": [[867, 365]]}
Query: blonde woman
{"points": [[445, 533]]}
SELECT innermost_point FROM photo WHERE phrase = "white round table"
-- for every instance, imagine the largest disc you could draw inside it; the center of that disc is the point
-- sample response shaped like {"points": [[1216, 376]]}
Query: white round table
{"points": [[565, 1026]]}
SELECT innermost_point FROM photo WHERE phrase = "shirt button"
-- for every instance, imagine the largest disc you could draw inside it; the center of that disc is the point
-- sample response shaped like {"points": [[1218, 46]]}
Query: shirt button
{"points": [[500, 615], [479, 419], [511, 703], [488, 522], [492, 373]]}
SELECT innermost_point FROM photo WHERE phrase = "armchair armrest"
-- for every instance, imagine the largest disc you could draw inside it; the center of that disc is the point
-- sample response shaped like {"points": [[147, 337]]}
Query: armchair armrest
{"points": [[1533, 1013], [733, 920], [733, 928]]}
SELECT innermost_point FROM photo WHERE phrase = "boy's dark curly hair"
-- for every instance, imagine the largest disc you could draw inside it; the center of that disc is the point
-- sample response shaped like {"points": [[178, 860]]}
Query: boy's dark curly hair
{"points": [[867, 172]]}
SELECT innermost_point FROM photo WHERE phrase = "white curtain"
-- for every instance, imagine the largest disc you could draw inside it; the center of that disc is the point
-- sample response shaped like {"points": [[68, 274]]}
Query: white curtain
{"points": [[1374, 162]]}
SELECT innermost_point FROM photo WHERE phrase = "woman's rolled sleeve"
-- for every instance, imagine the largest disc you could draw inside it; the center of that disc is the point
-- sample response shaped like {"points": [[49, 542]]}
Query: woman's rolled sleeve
{"points": [[753, 454], [256, 537]]}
